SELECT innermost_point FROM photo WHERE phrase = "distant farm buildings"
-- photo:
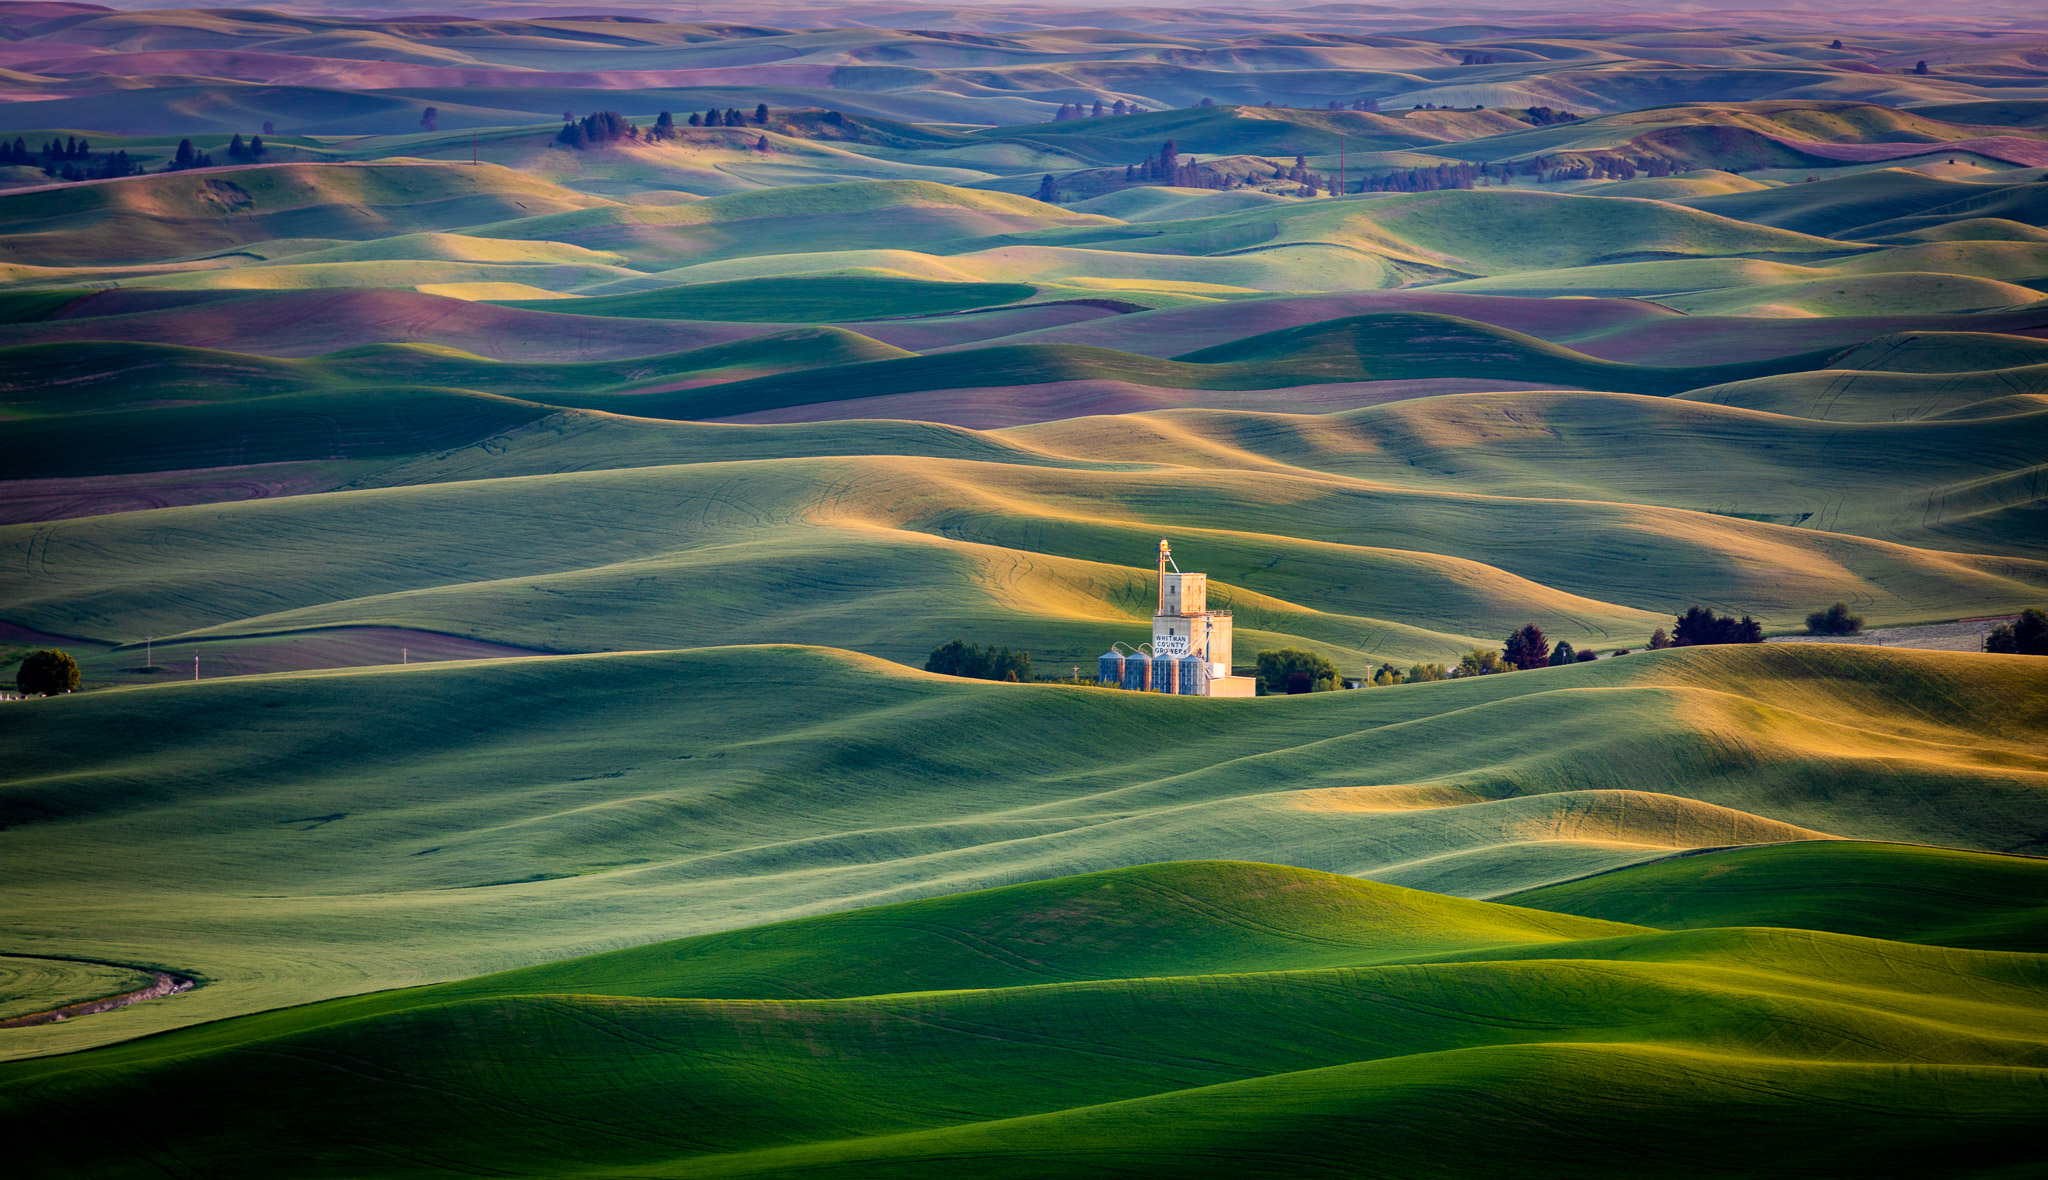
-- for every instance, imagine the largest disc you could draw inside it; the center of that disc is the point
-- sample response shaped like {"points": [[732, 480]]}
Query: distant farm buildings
{"points": [[1189, 654]]}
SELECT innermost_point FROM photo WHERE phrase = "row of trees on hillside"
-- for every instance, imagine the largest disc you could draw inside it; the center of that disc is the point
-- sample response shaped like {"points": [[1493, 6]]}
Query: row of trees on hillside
{"points": [[1073, 110], [70, 158], [975, 662], [602, 127]]}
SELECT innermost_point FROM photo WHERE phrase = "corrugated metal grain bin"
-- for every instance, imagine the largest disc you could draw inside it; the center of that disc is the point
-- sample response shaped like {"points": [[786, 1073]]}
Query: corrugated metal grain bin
{"points": [[1138, 672], [1194, 676], [1111, 669], [1163, 670]]}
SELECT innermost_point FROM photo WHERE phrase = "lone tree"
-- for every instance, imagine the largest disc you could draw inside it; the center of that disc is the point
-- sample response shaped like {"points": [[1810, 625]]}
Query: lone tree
{"points": [[761, 112], [1527, 648], [664, 125], [1047, 192], [431, 118], [2024, 636], [1701, 627], [1835, 620], [1563, 654], [1291, 670], [47, 673], [1919, 67]]}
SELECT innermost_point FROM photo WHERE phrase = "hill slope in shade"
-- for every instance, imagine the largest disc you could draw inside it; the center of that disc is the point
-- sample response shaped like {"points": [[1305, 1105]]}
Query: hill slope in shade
{"points": [[1931, 895], [1055, 1021], [357, 840]]}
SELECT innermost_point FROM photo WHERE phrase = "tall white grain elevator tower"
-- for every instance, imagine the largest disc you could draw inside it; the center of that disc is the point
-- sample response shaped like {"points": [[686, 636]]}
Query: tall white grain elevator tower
{"points": [[1190, 650]]}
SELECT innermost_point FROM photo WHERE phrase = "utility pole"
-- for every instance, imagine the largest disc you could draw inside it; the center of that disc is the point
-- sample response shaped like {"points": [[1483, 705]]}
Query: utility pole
{"points": [[195, 667], [472, 149], [1342, 186], [148, 648], [404, 655]]}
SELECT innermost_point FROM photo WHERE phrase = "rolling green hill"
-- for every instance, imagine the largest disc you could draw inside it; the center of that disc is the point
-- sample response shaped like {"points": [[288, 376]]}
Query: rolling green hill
{"points": [[813, 299], [1932, 895], [184, 215], [1050, 1022], [515, 811], [661, 459]]}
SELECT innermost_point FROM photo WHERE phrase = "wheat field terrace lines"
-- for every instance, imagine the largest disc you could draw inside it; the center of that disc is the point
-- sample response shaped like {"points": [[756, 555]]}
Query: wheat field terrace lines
{"points": [[544, 508]]}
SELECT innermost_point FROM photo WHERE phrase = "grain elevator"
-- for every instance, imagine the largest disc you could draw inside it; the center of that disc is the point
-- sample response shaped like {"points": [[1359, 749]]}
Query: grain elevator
{"points": [[1189, 654]]}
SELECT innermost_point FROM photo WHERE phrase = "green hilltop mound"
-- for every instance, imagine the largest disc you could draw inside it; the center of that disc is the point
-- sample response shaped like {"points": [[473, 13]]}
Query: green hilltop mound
{"points": [[1060, 1021], [1378, 346], [1840, 206], [1230, 130], [1943, 352], [809, 299], [1497, 231], [1940, 896], [191, 214], [849, 215], [1849, 395], [1187, 918]]}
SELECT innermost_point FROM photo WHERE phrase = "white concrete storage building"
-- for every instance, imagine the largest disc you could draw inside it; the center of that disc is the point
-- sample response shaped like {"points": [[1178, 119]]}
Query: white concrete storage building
{"points": [[1189, 654]]}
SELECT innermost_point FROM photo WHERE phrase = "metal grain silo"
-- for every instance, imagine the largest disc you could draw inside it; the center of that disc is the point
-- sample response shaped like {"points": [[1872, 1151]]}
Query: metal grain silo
{"points": [[1111, 667], [1194, 676], [1163, 669], [1138, 672]]}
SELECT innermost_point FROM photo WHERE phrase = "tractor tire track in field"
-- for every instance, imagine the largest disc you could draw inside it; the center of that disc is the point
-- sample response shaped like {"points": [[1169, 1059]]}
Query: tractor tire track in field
{"points": [[166, 983]]}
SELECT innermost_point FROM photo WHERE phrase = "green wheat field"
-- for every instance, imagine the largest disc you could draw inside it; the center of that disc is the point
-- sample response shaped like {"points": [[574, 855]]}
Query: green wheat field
{"points": [[503, 475]]}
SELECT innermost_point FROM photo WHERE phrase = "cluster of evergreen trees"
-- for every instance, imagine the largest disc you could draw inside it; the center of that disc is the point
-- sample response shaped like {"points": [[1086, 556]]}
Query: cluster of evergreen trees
{"points": [[252, 150], [54, 150], [1428, 180], [1169, 168], [596, 130], [976, 663], [187, 157], [70, 158], [603, 127], [1544, 169], [1074, 110], [1481, 59], [731, 117], [1545, 117]]}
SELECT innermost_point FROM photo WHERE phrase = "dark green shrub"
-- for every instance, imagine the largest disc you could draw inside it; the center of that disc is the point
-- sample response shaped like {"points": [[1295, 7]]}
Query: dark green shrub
{"points": [[2024, 636], [1835, 620], [47, 673], [1292, 670]]}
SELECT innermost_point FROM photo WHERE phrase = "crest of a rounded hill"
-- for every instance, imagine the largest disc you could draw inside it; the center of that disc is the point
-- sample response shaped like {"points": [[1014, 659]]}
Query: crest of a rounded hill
{"points": [[1912, 893], [1372, 347], [1848, 395], [1465, 233], [191, 214], [872, 214], [1249, 130], [1885, 203]]}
